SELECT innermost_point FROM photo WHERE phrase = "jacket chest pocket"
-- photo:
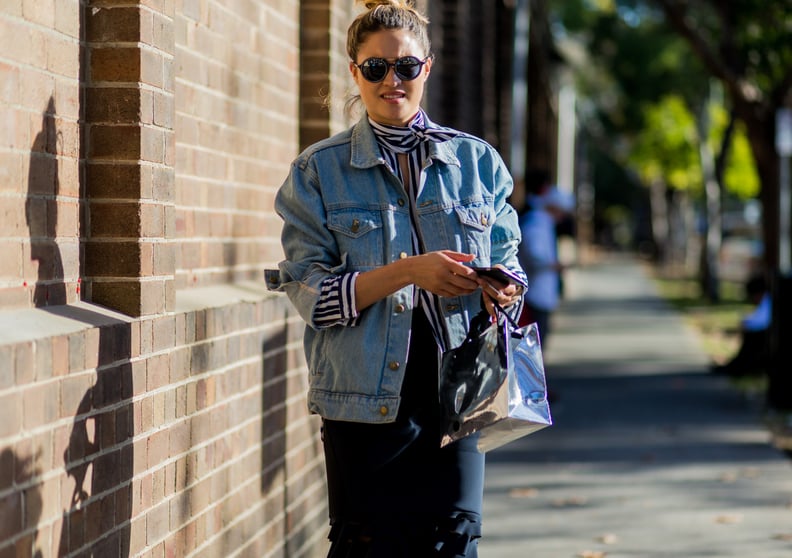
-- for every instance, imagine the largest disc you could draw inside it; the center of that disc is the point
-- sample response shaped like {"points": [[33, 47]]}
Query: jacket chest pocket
{"points": [[358, 233], [475, 223]]}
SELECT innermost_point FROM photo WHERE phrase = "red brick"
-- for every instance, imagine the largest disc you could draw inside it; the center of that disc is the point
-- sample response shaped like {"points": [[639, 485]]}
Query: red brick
{"points": [[113, 180], [63, 56], [74, 389], [10, 414], [116, 24], [113, 105], [10, 515], [67, 103], [117, 143], [39, 11], [40, 405], [67, 17], [137, 536], [115, 64], [60, 355]]}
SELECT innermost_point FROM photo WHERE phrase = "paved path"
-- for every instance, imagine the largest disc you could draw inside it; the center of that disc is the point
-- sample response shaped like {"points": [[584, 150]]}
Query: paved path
{"points": [[649, 456]]}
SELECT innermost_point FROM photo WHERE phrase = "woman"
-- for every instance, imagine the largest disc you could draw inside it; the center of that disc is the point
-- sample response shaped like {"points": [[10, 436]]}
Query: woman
{"points": [[382, 224]]}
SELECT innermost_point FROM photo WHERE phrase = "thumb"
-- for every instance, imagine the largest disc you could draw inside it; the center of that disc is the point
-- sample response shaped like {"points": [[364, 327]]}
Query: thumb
{"points": [[459, 256]]}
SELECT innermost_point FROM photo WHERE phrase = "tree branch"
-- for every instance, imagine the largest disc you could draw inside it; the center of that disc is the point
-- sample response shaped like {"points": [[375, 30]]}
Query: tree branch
{"points": [[742, 91]]}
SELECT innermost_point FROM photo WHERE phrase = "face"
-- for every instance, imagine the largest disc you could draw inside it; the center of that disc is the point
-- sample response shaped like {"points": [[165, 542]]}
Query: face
{"points": [[392, 101]]}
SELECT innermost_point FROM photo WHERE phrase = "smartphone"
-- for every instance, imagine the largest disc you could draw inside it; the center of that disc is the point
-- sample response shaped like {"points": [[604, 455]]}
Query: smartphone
{"points": [[500, 274]]}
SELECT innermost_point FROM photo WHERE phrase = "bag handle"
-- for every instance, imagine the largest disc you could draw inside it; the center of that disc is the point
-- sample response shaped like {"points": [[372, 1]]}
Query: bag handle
{"points": [[502, 311]]}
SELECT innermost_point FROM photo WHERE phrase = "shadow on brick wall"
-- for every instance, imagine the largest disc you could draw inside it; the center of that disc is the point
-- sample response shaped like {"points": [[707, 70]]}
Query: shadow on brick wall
{"points": [[41, 212], [99, 455], [273, 404], [21, 509]]}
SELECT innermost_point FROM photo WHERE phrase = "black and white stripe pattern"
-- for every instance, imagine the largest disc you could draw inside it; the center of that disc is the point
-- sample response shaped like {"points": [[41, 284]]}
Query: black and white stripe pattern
{"points": [[416, 134], [413, 141], [336, 304]]}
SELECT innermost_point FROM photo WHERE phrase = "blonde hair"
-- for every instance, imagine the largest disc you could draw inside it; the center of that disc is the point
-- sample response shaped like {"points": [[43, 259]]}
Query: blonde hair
{"points": [[385, 14]]}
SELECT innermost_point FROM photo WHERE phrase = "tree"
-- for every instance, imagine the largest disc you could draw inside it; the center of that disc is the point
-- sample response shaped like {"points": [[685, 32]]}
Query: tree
{"points": [[665, 155], [745, 44], [626, 60]]}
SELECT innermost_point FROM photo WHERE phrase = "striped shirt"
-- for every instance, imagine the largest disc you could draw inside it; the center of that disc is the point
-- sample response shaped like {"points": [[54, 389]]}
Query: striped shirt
{"points": [[337, 302]]}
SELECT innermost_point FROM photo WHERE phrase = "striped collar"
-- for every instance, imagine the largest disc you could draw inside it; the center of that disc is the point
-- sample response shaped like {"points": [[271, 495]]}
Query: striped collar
{"points": [[406, 139]]}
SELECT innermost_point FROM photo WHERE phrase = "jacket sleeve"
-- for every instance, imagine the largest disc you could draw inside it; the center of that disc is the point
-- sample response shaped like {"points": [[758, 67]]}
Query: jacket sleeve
{"points": [[310, 250], [505, 236]]}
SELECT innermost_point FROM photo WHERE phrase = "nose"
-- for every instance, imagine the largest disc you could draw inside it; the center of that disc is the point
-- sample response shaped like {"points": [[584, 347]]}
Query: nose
{"points": [[391, 76]]}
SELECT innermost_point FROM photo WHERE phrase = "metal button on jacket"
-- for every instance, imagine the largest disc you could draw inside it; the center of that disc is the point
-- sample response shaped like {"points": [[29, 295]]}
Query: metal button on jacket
{"points": [[393, 365]]}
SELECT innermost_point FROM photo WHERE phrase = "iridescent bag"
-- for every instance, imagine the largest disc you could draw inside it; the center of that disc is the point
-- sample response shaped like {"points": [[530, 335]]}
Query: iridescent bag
{"points": [[494, 383]]}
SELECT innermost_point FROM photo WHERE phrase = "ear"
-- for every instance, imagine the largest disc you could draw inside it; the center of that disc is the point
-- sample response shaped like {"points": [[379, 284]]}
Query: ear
{"points": [[428, 66], [353, 70]]}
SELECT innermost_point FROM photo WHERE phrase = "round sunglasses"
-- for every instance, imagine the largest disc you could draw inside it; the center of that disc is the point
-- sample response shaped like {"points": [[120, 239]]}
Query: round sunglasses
{"points": [[407, 68]]}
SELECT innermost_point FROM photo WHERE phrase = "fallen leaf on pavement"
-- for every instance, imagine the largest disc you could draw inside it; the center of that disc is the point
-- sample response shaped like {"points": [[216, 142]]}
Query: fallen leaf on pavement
{"points": [[731, 518], [592, 554], [750, 472], [523, 492], [783, 537], [728, 477], [571, 501]]}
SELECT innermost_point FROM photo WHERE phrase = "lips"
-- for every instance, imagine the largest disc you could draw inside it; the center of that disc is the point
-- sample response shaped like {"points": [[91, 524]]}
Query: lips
{"points": [[393, 96]]}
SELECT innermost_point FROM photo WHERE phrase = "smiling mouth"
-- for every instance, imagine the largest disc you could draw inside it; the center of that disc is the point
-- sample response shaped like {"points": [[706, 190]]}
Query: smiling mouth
{"points": [[393, 96]]}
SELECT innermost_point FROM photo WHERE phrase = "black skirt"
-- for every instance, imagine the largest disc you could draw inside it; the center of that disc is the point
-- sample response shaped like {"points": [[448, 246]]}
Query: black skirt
{"points": [[393, 492]]}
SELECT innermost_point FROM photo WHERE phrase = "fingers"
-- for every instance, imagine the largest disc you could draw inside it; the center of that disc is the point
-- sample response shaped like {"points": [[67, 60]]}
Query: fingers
{"points": [[491, 289], [504, 295], [489, 306], [459, 256]]}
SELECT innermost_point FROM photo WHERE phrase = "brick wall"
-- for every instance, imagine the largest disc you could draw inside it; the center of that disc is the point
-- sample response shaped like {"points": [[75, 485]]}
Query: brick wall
{"points": [[237, 99], [152, 393], [39, 152], [179, 435]]}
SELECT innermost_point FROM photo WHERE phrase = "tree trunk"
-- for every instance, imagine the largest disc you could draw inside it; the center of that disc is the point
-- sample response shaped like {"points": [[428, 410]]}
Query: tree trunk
{"points": [[761, 132], [659, 209], [712, 170]]}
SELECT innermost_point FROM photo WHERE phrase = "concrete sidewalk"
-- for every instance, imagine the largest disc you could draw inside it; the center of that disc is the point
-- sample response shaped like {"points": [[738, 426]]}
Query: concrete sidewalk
{"points": [[650, 456]]}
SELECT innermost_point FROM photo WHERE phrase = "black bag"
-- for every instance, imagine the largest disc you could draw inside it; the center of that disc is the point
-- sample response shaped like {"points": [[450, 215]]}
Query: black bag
{"points": [[494, 383]]}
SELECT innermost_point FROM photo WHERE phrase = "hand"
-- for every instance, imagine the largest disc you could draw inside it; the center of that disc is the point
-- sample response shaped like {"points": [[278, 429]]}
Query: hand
{"points": [[495, 291], [443, 273]]}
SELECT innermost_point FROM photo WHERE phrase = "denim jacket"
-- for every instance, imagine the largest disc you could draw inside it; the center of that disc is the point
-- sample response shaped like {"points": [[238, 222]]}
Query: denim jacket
{"points": [[344, 211]]}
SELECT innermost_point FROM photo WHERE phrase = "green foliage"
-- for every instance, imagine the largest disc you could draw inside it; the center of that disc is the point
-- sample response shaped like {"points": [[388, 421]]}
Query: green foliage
{"points": [[624, 58], [640, 83], [740, 177], [667, 148], [751, 36]]}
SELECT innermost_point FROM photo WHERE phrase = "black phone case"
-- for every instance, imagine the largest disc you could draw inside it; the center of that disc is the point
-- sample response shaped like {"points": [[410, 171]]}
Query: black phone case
{"points": [[502, 275]]}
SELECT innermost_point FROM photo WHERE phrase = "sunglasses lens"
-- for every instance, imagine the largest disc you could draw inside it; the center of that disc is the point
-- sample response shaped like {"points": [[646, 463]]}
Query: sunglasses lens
{"points": [[374, 69], [408, 68]]}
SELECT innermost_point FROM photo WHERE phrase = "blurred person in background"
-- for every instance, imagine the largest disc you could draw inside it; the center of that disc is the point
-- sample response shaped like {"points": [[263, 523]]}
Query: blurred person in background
{"points": [[751, 358], [546, 206]]}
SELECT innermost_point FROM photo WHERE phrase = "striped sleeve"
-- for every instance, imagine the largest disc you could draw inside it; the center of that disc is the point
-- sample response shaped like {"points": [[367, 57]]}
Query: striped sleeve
{"points": [[336, 304]]}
